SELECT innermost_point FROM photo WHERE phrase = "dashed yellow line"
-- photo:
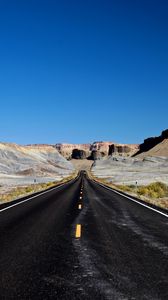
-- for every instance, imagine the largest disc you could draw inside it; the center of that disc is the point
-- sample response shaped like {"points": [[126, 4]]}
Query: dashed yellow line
{"points": [[80, 206], [78, 231]]}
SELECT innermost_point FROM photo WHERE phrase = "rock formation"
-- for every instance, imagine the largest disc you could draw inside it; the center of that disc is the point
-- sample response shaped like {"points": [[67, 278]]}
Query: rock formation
{"points": [[32, 160], [129, 170], [101, 147], [95, 154], [151, 142], [95, 150], [78, 154], [123, 150], [66, 150]]}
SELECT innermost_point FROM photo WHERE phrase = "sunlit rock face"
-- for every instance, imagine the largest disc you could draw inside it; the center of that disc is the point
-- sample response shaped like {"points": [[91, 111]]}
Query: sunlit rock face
{"points": [[151, 142], [95, 150], [123, 150], [33, 161], [102, 147], [67, 149]]}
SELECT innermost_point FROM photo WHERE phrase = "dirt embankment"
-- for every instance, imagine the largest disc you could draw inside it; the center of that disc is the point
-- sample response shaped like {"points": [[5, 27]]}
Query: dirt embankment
{"points": [[82, 164]]}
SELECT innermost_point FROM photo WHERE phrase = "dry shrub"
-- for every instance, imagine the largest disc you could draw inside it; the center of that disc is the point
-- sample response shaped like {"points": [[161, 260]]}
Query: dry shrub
{"points": [[154, 190], [23, 191]]}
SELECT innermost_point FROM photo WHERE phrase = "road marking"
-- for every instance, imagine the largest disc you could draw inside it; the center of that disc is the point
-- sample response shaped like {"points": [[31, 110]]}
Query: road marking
{"points": [[80, 206], [78, 231], [80, 198], [81, 192], [136, 201], [42, 193]]}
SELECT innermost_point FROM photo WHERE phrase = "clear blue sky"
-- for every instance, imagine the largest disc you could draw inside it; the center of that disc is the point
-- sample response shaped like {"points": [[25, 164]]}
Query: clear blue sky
{"points": [[84, 70]]}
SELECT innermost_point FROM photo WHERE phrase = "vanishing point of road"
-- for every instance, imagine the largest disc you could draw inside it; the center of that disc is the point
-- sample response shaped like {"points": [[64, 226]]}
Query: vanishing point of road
{"points": [[82, 241]]}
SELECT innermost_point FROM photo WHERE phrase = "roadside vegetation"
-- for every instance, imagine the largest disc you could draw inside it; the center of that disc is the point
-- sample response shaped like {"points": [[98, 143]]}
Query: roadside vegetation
{"points": [[155, 193], [21, 191]]}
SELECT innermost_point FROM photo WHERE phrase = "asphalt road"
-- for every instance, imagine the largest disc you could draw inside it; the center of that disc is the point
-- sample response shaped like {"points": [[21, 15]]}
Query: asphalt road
{"points": [[90, 243]]}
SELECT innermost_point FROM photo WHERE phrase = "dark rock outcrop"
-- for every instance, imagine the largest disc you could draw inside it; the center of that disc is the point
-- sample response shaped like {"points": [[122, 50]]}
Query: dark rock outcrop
{"points": [[95, 154], [119, 149], [151, 142], [66, 150], [78, 154], [165, 134]]}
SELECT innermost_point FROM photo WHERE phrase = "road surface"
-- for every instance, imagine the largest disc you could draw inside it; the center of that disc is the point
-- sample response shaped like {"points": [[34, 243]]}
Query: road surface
{"points": [[82, 241]]}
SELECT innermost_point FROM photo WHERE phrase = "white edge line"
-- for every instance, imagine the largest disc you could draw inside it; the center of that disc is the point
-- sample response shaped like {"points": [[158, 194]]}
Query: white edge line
{"points": [[42, 193], [159, 212]]}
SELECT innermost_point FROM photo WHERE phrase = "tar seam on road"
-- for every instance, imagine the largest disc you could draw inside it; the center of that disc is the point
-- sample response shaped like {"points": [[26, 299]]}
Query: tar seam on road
{"points": [[78, 231], [159, 212], [42, 193]]}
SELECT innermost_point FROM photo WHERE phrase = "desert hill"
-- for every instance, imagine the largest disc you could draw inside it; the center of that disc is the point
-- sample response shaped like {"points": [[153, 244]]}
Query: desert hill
{"points": [[23, 164], [154, 146], [34, 161], [149, 164], [160, 149], [130, 170]]}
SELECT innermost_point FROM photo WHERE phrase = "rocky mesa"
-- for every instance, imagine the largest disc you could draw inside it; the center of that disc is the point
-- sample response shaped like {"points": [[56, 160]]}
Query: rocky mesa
{"points": [[96, 150], [149, 164], [154, 146]]}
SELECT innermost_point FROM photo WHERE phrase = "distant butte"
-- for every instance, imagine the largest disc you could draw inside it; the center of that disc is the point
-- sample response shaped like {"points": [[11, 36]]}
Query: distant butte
{"points": [[95, 150]]}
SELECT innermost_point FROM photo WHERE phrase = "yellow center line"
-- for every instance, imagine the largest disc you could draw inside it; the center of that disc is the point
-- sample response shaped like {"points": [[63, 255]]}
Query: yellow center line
{"points": [[78, 231], [80, 206]]}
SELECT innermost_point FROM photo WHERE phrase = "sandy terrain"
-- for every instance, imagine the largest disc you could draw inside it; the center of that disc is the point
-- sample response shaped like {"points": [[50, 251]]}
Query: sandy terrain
{"points": [[82, 164], [131, 170], [25, 165]]}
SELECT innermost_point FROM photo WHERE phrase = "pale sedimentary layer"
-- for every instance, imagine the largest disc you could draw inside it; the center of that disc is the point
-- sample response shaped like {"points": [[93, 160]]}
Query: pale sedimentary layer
{"points": [[119, 170], [21, 165]]}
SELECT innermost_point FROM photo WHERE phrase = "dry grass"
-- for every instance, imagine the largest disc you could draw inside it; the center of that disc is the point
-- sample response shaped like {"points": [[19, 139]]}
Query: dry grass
{"points": [[19, 192], [155, 193]]}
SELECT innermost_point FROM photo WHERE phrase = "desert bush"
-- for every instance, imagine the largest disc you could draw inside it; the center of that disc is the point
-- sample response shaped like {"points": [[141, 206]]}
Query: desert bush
{"points": [[154, 190], [28, 189], [124, 188], [155, 193], [23, 191]]}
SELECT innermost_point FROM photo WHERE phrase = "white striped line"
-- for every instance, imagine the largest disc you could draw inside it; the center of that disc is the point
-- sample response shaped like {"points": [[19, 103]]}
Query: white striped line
{"points": [[147, 206], [42, 193]]}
